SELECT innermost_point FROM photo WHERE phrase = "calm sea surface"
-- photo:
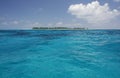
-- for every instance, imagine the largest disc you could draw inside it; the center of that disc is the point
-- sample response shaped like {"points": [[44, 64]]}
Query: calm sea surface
{"points": [[59, 54]]}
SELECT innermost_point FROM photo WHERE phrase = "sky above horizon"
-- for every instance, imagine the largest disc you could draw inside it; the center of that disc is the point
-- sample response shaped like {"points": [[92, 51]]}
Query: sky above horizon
{"points": [[92, 14]]}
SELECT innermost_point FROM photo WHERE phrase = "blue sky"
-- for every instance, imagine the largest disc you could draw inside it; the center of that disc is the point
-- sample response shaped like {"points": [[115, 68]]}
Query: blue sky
{"points": [[25, 14]]}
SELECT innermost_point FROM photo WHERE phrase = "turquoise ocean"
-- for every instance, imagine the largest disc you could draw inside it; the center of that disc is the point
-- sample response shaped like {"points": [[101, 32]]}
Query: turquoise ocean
{"points": [[59, 53]]}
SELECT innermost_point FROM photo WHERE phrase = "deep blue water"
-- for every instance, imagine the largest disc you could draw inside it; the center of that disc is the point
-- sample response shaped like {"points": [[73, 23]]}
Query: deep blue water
{"points": [[59, 54]]}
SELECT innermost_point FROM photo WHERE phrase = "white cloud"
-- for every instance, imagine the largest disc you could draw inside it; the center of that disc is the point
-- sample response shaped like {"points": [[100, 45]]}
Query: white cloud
{"points": [[64, 24], [73, 25], [36, 24], [70, 24], [9, 23], [93, 12], [2, 18], [4, 23], [117, 0], [59, 23], [15, 22]]}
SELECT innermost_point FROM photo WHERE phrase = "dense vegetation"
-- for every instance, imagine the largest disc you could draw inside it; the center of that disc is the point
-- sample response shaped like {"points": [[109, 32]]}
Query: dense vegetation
{"points": [[57, 28]]}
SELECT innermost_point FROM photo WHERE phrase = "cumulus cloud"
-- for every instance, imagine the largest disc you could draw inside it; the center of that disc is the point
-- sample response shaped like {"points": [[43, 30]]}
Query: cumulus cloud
{"points": [[93, 12], [4, 23], [117, 0], [15, 22], [35, 24], [59, 23], [9, 23]]}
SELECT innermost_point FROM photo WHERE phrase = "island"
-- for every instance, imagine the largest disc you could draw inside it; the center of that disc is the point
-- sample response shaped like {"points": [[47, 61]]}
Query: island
{"points": [[58, 28]]}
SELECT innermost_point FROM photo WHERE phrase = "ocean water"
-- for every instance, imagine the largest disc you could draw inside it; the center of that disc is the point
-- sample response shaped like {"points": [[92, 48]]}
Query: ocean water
{"points": [[59, 54]]}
